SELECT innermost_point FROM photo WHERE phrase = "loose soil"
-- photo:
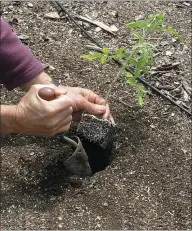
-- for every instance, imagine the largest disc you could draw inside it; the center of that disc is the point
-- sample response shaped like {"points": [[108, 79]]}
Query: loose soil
{"points": [[147, 184]]}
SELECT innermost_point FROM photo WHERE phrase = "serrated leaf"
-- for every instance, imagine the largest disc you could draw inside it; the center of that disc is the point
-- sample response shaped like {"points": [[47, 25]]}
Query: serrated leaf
{"points": [[133, 61], [140, 99], [174, 33], [91, 56], [138, 36], [120, 53], [160, 18], [106, 51], [130, 78], [136, 24], [145, 59], [141, 93], [104, 59]]}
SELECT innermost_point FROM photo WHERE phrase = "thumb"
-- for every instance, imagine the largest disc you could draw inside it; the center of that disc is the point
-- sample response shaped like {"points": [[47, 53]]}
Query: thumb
{"points": [[95, 109]]}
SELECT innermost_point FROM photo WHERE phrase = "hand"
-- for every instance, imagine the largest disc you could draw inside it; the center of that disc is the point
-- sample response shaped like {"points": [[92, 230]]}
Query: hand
{"points": [[86, 100], [35, 116]]}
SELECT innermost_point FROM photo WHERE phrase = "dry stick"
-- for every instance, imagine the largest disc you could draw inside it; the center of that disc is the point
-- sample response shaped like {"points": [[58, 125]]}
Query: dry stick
{"points": [[96, 23]]}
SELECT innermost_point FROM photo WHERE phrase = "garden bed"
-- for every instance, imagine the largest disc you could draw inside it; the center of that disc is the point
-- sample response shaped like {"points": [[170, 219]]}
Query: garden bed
{"points": [[147, 184]]}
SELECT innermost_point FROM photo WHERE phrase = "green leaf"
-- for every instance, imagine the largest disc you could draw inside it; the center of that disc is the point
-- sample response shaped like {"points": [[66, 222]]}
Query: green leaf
{"points": [[104, 59], [133, 61], [174, 33], [138, 36], [120, 53], [106, 51], [130, 78], [145, 59], [136, 24], [92, 56], [140, 99], [160, 18], [141, 93]]}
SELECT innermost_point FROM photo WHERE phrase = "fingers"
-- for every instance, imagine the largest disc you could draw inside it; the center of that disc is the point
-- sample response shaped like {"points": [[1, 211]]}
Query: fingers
{"points": [[95, 109], [63, 129], [93, 98], [107, 115], [62, 103]]}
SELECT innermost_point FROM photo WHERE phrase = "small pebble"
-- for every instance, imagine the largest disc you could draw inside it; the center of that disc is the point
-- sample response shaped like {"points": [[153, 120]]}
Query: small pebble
{"points": [[139, 17], [114, 14], [98, 225], [173, 114], [98, 29], [169, 53], [30, 5], [105, 204], [32, 153], [60, 226], [59, 218], [98, 218], [186, 3]]}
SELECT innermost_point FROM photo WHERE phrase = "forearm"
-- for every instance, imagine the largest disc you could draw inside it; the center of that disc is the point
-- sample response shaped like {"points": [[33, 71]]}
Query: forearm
{"points": [[7, 117], [42, 78]]}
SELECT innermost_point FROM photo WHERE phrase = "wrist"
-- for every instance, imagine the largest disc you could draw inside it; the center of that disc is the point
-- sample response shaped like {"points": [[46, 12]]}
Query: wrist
{"points": [[41, 78], [7, 124]]}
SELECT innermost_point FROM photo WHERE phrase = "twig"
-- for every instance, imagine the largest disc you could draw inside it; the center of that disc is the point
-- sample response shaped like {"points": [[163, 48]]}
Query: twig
{"points": [[95, 48], [96, 23]]}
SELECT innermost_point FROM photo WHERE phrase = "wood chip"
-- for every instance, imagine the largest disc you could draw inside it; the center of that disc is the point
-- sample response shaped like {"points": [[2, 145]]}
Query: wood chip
{"points": [[166, 87], [169, 53], [186, 96], [52, 15], [97, 23], [114, 28], [168, 66], [139, 17], [187, 87], [23, 37], [97, 29], [30, 5]]}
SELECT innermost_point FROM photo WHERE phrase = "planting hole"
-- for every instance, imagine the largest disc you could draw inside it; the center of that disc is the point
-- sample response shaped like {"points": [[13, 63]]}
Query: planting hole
{"points": [[98, 157]]}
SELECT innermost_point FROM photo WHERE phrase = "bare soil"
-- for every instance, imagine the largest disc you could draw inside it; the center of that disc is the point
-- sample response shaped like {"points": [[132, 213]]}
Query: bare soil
{"points": [[147, 184]]}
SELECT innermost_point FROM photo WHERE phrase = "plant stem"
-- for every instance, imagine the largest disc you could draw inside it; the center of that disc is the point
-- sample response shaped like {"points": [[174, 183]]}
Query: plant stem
{"points": [[119, 74]]}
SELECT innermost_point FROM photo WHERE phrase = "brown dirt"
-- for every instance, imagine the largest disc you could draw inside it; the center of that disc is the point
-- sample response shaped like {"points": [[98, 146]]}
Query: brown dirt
{"points": [[148, 182]]}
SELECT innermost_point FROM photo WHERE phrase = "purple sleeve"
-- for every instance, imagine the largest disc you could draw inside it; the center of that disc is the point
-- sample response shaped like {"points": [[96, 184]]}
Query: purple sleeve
{"points": [[17, 64]]}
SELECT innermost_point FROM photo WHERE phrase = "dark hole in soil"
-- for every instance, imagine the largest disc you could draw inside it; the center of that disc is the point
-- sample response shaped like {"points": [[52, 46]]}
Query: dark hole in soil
{"points": [[98, 157]]}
